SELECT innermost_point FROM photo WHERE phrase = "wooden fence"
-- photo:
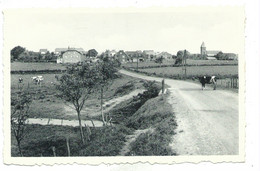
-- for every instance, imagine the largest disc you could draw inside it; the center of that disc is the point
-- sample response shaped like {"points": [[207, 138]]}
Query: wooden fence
{"points": [[228, 83]]}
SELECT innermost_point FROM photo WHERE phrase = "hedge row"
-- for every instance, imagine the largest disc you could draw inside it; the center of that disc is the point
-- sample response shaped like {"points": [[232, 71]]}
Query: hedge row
{"points": [[47, 71]]}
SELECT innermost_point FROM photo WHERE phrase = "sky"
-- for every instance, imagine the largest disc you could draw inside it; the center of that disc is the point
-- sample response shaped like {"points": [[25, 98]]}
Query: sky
{"points": [[160, 30]]}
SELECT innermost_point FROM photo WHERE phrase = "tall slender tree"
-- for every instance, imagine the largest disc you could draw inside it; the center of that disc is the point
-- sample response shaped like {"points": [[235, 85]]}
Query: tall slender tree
{"points": [[106, 73], [75, 86]]}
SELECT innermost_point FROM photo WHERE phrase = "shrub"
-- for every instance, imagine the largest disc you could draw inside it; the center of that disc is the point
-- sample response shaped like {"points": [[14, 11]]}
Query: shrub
{"points": [[124, 89]]}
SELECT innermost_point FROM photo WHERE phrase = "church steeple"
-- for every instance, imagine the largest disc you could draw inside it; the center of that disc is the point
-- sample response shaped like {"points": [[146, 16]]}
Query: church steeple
{"points": [[203, 50], [203, 44]]}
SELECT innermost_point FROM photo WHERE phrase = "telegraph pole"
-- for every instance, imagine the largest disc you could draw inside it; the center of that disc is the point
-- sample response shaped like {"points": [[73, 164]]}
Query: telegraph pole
{"points": [[184, 63], [137, 61]]}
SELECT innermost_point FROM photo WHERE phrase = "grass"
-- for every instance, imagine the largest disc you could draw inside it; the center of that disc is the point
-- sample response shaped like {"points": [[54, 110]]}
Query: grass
{"points": [[195, 70], [21, 66], [104, 141], [189, 62], [172, 72], [46, 105], [157, 114]]}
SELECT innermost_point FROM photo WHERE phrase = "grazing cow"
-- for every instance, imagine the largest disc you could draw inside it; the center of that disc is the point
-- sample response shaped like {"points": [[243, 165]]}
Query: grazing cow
{"points": [[37, 79], [208, 80], [20, 80]]}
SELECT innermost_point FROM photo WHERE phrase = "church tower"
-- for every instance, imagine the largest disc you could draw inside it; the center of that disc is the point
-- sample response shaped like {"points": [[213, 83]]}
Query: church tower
{"points": [[203, 50]]}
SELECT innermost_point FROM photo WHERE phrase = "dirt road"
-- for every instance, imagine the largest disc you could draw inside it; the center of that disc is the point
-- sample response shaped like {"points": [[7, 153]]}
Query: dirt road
{"points": [[207, 120]]}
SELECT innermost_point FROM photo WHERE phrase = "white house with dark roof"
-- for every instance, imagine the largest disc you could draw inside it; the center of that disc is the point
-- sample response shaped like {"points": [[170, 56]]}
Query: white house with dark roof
{"points": [[59, 51], [71, 56]]}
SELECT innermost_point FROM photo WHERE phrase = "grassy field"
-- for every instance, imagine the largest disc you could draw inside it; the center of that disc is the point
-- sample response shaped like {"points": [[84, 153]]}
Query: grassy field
{"points": [[193, 71], [189, 62], [21, 66], [104, 141], [46, 104]]}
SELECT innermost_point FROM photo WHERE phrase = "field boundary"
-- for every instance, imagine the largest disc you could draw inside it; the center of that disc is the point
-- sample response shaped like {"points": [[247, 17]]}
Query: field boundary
{"points": [[47, 71], [174, 65], [177, 76]]}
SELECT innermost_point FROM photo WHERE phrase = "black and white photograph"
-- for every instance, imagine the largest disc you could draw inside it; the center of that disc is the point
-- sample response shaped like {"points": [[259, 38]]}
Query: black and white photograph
{"points": [[124, 84]]}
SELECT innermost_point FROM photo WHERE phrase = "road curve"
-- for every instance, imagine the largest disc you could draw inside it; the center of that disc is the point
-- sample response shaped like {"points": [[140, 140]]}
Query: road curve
{"points": [[207, 120]]}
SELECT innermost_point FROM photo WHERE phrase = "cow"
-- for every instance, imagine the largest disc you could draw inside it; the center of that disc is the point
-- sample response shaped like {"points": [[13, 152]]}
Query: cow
{"points": [[20, 80], [37, 79], [208, 80]]}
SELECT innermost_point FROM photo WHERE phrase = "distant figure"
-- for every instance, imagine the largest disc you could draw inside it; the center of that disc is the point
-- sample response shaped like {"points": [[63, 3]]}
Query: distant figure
{"points": [[208, 80], [57, 77]]}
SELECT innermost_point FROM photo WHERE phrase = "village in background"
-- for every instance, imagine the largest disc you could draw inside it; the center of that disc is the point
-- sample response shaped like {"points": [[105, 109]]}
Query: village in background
{"points": [[75, 55]]}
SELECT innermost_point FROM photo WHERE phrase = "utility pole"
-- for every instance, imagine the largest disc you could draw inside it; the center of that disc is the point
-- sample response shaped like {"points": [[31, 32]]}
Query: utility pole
{"points": [[184, 63], [137, 61]]}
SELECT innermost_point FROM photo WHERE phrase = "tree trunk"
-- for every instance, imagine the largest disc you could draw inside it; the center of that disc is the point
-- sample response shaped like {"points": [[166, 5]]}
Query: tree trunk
{"points": [[80, 127], [19, 148], [101, 105]]}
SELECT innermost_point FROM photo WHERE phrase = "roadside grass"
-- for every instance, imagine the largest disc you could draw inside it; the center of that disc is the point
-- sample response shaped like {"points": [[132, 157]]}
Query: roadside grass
{"points": [[123, 111], [158, 115]]}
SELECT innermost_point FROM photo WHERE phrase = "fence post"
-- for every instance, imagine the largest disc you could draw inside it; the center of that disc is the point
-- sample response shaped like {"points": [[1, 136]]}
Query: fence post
{"points": [[48, 121], [53, 150], [68, 145], [163, 86]]}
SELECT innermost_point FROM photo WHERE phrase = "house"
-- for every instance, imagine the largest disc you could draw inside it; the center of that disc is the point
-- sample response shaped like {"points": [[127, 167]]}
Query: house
{"points": [[149, 54], [92, 53], [71, 56], [164, 55], [212, 53], [122, 57], [135, 56], [231, 56], [43, 51], [109, 53], [59, 51]]}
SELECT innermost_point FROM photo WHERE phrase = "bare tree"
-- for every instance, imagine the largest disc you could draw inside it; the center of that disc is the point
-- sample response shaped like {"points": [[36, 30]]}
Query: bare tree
{"points": [[19, 116]]}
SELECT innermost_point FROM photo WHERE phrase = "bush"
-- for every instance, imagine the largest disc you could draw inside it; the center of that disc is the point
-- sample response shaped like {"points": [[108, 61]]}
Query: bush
{"points": [[128, 87]]}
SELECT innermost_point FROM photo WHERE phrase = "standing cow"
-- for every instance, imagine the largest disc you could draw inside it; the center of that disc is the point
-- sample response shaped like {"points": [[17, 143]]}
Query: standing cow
{"points": [[208, 80], [37, 80]]}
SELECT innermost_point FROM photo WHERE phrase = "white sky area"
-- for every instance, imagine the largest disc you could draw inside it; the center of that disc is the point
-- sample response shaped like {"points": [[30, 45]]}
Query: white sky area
{"points": [[167, 30]]}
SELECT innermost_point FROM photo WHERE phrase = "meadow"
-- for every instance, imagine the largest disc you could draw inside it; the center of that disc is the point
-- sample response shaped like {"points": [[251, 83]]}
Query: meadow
{"points": [[171, 63], [46, 104], [22, 66], [221, 71]]}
